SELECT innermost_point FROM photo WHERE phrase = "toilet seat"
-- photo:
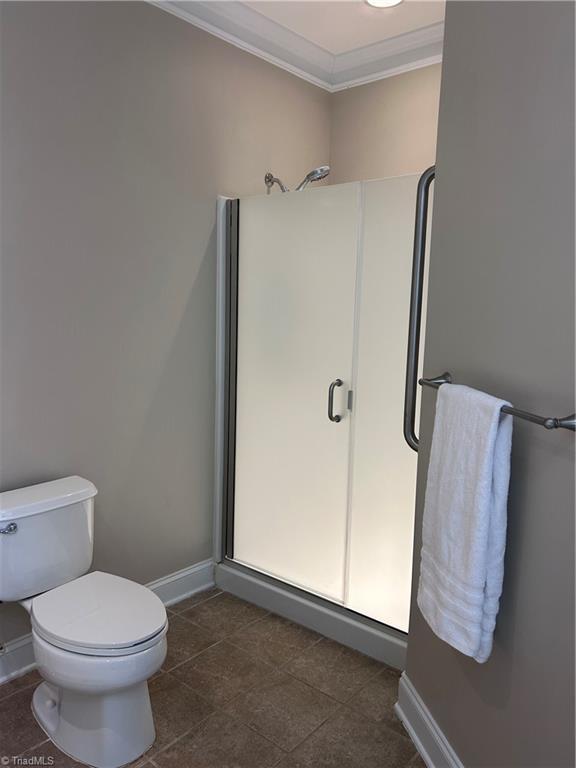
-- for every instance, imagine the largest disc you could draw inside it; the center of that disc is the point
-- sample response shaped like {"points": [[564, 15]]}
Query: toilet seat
{"points": [[100, 615]]}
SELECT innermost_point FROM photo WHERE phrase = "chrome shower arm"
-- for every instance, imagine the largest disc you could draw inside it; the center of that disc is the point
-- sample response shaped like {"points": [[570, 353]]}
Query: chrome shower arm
{"points": [[270, 180]]}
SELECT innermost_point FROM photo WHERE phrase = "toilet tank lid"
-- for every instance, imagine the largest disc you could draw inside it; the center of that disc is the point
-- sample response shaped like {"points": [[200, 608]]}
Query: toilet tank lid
{"points": [[42, 497]]}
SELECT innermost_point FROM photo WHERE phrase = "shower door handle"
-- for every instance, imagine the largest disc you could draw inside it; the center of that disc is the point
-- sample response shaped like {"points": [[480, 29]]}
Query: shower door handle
{"points": [[331, 388], [416, 296]]}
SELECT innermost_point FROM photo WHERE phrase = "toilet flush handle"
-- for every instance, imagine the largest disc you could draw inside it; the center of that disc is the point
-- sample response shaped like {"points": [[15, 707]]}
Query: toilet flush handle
{"points": [[10, 528]]}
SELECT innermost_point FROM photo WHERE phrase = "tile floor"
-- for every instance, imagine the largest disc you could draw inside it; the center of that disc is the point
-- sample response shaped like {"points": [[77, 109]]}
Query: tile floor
{"points": [[243, 688]]}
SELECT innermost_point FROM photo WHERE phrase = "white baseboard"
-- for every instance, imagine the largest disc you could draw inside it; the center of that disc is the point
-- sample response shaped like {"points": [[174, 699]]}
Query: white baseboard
{"points": [[433, 746], [17, 656], [176, 586]]}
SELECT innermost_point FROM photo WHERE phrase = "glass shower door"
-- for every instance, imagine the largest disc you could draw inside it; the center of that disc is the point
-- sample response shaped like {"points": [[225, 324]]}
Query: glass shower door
{"points": [[383, 487], [297, 259]]}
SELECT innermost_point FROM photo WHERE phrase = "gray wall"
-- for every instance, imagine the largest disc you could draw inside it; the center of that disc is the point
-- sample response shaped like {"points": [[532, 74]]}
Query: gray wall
{"points": [[501, 318], [119, 126]]}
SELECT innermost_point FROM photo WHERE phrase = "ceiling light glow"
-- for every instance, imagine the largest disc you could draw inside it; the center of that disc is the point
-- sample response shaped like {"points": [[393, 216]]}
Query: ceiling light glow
{"points": [[383, 3]]}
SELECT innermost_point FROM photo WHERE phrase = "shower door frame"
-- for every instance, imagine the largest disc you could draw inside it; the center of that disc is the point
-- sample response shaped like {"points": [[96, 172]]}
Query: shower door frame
{"points": [[335, 621]]}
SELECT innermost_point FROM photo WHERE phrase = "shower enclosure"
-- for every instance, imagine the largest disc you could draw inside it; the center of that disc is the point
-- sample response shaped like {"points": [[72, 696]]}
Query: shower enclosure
{"points": [[317, 482]]}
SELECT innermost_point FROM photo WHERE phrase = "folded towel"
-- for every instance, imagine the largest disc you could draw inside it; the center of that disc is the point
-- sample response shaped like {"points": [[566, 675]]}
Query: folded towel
{"points": [[464, 527]]}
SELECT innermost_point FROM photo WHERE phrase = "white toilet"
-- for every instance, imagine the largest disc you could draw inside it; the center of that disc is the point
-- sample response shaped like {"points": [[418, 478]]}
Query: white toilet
{"points": [[97, 638]]}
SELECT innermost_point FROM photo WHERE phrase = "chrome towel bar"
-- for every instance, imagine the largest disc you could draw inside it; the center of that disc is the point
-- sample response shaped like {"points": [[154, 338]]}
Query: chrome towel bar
{"points": [[568, 422]]}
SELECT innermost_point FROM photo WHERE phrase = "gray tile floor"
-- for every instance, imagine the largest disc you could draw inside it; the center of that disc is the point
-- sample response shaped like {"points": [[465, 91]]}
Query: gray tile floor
{"points": [[243, 688]]}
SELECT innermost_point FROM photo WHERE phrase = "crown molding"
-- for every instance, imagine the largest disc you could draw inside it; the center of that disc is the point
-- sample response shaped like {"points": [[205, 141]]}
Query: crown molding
{"points": [[390, 71], [245, 28]]}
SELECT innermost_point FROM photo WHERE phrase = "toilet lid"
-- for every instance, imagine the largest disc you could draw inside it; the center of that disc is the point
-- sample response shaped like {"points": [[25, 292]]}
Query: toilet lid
{"points": [[98, 613]]}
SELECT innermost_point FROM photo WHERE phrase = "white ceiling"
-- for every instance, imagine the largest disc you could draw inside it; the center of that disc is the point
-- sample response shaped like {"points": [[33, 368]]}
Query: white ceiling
{"points": [[335, 44], [345, 25]]}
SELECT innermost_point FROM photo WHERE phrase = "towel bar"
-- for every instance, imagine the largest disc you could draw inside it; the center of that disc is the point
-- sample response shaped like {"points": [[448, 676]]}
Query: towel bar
{"points": [[568, 422], [416, 299]]}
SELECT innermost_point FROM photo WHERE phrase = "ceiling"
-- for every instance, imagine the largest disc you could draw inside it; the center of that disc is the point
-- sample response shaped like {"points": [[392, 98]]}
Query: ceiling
{"points": [[342, 26], [335, 44]]}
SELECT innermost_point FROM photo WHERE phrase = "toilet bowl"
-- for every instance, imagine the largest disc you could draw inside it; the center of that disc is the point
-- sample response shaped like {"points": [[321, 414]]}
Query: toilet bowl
{"points": [[97, 638]]}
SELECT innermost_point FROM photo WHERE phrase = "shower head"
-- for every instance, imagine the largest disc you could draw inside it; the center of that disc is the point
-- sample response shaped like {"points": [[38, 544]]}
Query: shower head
{"points": [[315, 175]]}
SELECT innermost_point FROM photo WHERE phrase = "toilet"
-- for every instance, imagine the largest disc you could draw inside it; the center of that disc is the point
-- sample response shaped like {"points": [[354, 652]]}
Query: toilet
{"points": [[97, 638]]}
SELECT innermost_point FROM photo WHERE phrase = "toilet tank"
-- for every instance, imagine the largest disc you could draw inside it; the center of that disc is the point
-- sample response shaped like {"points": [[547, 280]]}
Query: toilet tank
{"points": [[46, 536]]}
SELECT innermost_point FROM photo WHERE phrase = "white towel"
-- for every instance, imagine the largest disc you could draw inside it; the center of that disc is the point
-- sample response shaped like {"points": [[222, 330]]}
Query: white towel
{"points": [[464, 527]]}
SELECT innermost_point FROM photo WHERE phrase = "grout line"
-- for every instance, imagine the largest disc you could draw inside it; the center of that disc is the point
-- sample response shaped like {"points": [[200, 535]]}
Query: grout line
{"points": [[224, 639], [316, 688], [313, 687], [200, 626], [250, 727], [178, 738], [244, 626], [208, 631], [284, 749], [35, 746], [191, 658], [292, 658], [196, 655], [369, 680], [239, 629], [301, 653], [244, 690], [190, 688], [262, 736], [189, 621], [200, 602], [35, 684], [224, 707], [283, 664], [345, 708], [379, 723], [330, 717], [174, 741]]}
